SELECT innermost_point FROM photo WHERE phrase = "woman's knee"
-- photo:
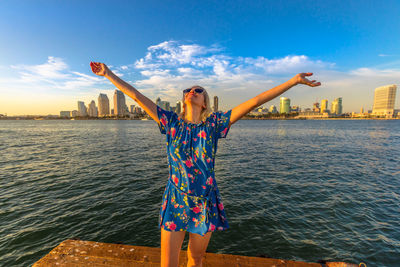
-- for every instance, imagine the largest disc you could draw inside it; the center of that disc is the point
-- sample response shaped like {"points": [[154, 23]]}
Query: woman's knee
{"points": [[197, 247]]}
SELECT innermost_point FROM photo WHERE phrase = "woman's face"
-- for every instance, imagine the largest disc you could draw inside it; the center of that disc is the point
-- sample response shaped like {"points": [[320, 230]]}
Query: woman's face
{"points": [[195, 99]]}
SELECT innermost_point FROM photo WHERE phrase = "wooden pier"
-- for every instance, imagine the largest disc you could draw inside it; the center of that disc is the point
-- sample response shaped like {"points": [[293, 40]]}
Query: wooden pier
{"points": [[76, 253]]}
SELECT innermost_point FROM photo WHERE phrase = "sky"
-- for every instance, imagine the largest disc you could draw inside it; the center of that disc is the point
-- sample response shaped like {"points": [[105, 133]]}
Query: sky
{"points": [[234, 49]]}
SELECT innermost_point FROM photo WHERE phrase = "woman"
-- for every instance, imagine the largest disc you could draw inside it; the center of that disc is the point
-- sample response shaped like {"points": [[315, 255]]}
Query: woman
{"points": [[191, 200]]}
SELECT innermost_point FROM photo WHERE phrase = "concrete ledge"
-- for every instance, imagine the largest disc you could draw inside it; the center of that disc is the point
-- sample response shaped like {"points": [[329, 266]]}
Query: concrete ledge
{"points": [[89, 253]]}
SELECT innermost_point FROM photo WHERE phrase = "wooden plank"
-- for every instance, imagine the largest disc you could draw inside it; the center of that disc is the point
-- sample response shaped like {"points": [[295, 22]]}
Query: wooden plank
{"points": [[77, 253]]}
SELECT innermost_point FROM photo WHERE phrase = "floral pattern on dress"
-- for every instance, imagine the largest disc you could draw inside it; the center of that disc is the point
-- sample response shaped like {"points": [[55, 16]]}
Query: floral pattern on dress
{"points": [[191, 199]]}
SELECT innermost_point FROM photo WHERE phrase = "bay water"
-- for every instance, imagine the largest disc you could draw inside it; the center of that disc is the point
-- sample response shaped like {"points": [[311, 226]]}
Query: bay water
{"points": [[303, 190]]}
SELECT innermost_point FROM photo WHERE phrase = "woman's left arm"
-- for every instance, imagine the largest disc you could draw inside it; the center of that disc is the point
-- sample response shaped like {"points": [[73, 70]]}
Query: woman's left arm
{"points": [[244, 108]]}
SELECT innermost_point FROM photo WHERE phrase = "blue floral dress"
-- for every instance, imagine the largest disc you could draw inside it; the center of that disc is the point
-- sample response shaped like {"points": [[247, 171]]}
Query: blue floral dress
{"points": [[191, 200]]}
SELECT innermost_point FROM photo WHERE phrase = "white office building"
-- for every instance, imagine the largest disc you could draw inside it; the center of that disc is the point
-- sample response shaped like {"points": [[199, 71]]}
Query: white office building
{"points": [[104, 105], [119, 103], [337, 107], [82, 111], [92, 109], [384, 100]]}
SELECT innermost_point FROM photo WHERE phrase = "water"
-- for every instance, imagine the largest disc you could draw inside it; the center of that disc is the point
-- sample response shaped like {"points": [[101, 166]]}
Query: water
{"points": [[296, 190]]}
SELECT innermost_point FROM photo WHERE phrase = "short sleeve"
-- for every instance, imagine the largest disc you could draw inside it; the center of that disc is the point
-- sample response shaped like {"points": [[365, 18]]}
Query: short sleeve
{"points": [[222, 123], [165, 118]]}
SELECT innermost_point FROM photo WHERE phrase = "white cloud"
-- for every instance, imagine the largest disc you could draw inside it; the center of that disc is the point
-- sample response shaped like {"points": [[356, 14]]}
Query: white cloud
{"points": [[52, 69], [41, 88], [393, 74], [48, 77], [173, 66], [387, 55]]}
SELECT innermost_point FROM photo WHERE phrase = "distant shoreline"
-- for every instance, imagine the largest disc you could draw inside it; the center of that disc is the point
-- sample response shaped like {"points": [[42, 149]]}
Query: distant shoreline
{"points": [[150, 119]]}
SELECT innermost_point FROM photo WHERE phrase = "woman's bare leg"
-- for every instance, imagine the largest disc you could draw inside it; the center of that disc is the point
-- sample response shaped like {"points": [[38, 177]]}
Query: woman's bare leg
{"points": [[197, 248], [171, 243]]}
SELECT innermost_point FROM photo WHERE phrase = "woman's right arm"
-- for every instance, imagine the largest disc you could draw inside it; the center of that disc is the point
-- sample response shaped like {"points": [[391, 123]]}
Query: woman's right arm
{"points": [[149, 106]]}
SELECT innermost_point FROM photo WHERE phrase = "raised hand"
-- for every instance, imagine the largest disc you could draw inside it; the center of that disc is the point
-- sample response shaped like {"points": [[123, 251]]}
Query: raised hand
{"points": [[100, 69], [301, 79]]}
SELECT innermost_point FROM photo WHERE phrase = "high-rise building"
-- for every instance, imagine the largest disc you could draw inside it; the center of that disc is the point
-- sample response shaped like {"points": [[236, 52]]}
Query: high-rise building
{"points": [[295, 109], [132, 109], [163, 104], [104, 105], [92, 109], [316, 107], [178, 108], [138, 110], [119, 103], [337, 107], [74, 113], [384, 99], [272, 109], [324, 105], [284, 105], [82, 111], [215, 104]]}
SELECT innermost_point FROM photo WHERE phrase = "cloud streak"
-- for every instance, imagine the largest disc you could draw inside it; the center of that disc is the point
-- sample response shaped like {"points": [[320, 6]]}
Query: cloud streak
{"points": [[52, 75], [172, 66]]}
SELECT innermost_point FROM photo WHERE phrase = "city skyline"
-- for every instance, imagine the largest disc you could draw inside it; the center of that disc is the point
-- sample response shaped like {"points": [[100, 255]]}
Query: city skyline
{"points": [[93, 110], [285, 106], [45, 61]]}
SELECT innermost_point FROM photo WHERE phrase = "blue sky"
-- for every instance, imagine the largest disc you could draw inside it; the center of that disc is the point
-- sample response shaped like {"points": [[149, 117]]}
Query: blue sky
{"points": [[235, 49]]}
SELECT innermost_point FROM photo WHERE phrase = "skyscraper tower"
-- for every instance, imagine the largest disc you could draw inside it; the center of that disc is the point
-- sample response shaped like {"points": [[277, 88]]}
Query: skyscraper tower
{"points": [[178, 109], [119, 103], [104, 105], [324, 105], [284, 106], [384, 99], [163, 104], [316, 107], [82, 111], [92, 109], [337, 106], [215, 103], [340, 106]]}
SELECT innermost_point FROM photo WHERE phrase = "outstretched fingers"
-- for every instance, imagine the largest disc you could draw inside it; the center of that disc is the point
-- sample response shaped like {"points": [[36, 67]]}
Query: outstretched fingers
{"points": [[313, 83], [306, 74], [308, 82]]}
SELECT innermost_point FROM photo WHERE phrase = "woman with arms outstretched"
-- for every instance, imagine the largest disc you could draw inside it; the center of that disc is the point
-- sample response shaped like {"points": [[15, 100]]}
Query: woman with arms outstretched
{"points": [[191, 200]]}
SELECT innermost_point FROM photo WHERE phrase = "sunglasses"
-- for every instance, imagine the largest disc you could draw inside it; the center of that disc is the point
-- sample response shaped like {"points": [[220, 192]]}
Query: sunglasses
{"points": [[197, 90]]}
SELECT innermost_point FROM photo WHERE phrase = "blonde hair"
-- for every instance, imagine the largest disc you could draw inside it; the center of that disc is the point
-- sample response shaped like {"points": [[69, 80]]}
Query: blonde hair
{"points": [[205, 112]]}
